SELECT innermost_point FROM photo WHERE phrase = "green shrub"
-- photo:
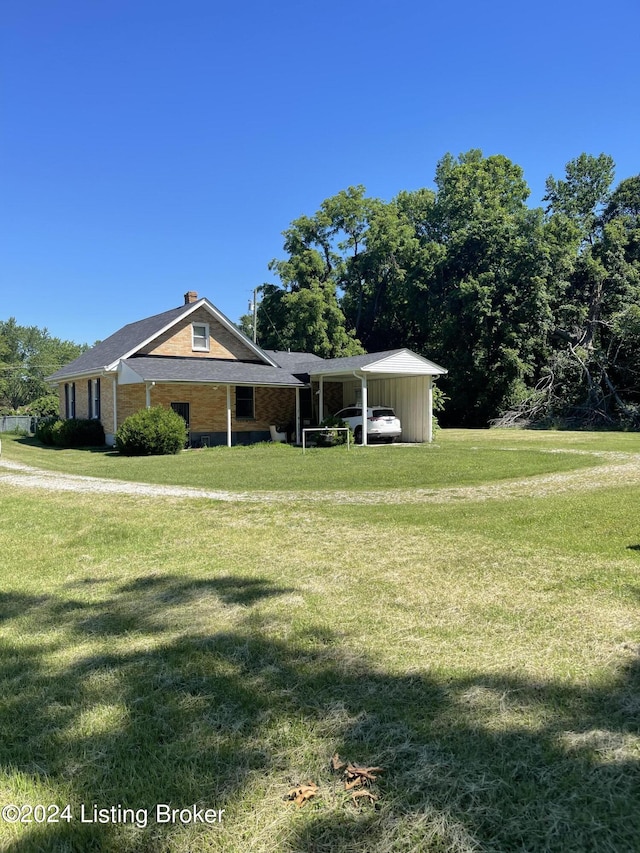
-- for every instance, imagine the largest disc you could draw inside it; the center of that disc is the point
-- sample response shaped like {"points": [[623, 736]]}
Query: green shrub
{"points": [[77, 432], [43, 407], [330, 439], [44, 430], [152, 432]]}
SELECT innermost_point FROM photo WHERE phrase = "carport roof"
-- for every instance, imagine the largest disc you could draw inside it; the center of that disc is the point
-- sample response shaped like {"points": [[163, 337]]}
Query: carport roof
{"points": [[396, 362]]}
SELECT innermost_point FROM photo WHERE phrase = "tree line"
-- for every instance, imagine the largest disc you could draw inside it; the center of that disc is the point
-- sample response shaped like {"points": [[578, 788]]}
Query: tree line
{"points": [[534, 311], [27, 355]]}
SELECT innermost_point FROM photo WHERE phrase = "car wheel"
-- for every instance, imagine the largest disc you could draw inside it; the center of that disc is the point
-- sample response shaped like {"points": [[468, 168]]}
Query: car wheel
{"points": [[357, 435]]}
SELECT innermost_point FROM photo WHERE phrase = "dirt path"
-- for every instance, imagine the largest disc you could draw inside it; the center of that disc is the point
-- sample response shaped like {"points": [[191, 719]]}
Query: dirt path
{"points": [[621, 470]]}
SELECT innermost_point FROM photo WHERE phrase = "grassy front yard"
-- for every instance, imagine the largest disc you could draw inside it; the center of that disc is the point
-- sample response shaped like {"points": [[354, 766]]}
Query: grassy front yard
{"points": [[460, 457], [484, 653]]}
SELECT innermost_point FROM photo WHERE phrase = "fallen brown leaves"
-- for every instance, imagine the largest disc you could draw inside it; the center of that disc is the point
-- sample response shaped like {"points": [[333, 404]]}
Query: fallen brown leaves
{"points": [[302, 793], [356, 776]]}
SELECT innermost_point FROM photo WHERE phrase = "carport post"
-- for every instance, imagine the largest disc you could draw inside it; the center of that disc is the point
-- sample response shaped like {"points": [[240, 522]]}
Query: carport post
{"points": [[363, 381], [298, 433], [228, 415]]}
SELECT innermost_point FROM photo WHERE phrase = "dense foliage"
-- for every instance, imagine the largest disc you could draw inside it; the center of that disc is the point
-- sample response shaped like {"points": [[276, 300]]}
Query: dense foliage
{"points": [[152, 432], [535, 312], [27, 355], [74, 432]]}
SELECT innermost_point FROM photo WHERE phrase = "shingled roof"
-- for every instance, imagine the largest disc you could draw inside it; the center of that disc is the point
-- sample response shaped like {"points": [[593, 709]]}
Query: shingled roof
{"points": [[129, 338], [269, 367], [225, 371], [132, 337]]}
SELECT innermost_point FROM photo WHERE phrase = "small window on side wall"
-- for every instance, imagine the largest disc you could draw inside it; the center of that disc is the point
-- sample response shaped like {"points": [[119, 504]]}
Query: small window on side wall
{"points": [[200, 337], [244, 403], [70, 400]]}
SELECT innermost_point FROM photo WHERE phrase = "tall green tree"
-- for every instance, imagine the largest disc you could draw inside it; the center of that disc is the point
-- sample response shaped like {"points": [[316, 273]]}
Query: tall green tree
{"points": [[27, 355], [534, 312], [593, 375], [489, 295], [304, 313]]}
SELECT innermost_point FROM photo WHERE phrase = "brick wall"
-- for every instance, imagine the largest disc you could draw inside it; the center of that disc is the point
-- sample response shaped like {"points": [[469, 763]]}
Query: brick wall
{"points": [[208, 406], [106, 403], [82, 400], [275, 406], [131, 398], [178, 340]]}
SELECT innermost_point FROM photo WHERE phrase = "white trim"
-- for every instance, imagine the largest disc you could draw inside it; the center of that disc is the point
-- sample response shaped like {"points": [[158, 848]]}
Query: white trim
{"points": [[403, 363], [115, 404], [207, 338], [127, 375]]}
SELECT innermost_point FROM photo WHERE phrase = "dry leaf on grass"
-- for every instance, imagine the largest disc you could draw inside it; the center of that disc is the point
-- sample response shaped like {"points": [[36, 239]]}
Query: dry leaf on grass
{"points": [[337, 763], [302, 793], [356, 795], [357, 776]]}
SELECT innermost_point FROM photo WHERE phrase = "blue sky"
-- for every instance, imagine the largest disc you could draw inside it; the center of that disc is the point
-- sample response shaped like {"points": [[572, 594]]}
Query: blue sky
{"points": [[150, 147]]}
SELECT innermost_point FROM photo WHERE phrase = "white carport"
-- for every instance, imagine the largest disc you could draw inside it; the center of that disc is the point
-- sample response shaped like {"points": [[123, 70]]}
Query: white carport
{"points": [[398, 378]]}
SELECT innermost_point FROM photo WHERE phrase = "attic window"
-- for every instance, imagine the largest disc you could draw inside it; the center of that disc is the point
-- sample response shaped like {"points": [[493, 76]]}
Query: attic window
{"points": [[200, 337]]}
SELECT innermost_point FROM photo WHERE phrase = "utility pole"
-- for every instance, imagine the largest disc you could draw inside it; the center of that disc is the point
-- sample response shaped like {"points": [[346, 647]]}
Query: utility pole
{"points": [[253, 310], [255, 315]]}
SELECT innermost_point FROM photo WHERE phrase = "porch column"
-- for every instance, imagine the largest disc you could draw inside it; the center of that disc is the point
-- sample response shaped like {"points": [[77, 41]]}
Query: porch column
{"points": [[321, 401], [147, 390], [228, 415], [298, 419], [363, 384]]}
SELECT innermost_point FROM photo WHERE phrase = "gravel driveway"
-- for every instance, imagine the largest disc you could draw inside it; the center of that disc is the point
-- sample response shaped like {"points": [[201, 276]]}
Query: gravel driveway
{"points": [[620, 469]]}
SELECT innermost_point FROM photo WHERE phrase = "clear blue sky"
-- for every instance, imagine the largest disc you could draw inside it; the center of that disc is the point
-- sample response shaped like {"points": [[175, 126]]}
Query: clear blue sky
{"points": [[150, 147]]}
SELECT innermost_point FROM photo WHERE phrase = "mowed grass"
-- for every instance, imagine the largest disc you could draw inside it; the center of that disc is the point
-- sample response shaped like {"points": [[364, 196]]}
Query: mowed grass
{"points": [[454, 459], [485, 654]]}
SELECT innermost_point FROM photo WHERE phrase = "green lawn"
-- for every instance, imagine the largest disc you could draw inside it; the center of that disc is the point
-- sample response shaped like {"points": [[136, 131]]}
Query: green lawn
{"points": [[455, 459], [485, 654]]}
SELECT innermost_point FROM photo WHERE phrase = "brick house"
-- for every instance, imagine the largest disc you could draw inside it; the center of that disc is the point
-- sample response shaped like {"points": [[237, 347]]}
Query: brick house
{"points": [[229, 390]]}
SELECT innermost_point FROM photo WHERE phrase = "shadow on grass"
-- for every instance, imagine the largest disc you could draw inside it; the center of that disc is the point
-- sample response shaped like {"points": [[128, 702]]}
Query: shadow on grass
{"points": [[205, 716], [32, 441]]}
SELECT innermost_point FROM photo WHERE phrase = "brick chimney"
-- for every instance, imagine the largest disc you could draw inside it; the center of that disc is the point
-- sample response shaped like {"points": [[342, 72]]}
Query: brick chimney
{"points": [[190, 296]]}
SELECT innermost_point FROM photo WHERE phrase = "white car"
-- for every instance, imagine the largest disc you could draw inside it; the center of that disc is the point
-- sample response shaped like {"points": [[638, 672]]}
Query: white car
{"points": [[382, 422]]}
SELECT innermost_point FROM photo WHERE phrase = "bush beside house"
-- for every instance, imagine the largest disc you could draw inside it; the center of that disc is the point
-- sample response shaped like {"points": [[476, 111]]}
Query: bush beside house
{"points": [[74, 432], [152, 432]]}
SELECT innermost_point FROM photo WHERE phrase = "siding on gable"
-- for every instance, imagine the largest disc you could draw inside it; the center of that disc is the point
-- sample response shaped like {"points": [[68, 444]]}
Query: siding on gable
{"points": [[177, 340]]}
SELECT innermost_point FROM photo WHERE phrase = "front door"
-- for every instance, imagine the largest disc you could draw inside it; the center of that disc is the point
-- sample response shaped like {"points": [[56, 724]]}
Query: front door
{"points": [[183, 410]]}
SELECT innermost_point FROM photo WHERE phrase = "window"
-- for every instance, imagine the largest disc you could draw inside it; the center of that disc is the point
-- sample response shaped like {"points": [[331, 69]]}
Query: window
{"points": [[182, 409], [200, 337], [93, 402], [244, 403], [70, 400]]}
